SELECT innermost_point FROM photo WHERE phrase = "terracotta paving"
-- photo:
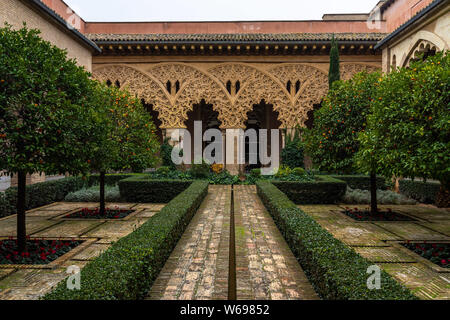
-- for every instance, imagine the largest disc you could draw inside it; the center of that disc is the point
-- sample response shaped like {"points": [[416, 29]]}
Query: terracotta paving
{"points": [[266, 268], [48, 221], [198, 267], [379, 242]]}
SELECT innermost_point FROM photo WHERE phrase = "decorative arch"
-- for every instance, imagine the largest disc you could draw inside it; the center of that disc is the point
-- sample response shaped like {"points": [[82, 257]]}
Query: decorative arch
{"points": [[249, 85], [194, 85], [421, 42], [312, 84], [143, 86]]}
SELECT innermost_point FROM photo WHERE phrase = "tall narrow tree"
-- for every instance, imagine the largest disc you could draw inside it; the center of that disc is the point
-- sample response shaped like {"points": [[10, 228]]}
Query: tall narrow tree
{"points": [[334, 73], [42, 115]]}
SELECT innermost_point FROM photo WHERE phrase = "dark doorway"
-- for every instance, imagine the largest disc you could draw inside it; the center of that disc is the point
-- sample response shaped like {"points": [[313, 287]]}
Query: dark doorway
{"points": [[155, 119], [205, 113], [261, 117]]}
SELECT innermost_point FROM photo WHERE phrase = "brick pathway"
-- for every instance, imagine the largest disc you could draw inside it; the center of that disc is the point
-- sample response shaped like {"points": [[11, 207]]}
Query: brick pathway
{"points": [[198, 267], [266, 268]]}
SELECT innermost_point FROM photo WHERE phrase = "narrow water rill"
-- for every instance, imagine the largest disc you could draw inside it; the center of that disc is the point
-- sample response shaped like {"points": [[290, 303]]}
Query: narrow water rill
{"points": [[232, 262]]}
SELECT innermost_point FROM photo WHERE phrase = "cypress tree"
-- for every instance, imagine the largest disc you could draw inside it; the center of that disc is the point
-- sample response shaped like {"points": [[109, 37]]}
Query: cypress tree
{"points": [[334, 73]]}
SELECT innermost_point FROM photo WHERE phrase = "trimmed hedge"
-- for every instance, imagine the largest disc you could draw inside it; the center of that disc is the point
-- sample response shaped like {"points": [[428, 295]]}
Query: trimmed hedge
{"points": [[145, 190], [325, 190], [39, 194], [128, 268], [424, 192], [335, 270], [361, 182], [111, 179]]}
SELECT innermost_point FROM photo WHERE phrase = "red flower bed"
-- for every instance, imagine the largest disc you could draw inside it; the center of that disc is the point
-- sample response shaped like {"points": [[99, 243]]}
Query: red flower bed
{"points": [[95, 214], [38, 251], [366, 215], [438, 253]]}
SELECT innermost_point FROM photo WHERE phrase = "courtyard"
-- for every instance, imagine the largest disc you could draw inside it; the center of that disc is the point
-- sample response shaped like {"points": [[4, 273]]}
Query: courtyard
{"points": [[266, 269]]}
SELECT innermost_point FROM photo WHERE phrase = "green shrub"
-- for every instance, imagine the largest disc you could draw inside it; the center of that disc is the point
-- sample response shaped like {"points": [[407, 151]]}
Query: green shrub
{"points": [[283, 171], [424, 192], [163, 170], [144, 190], [298, 171], [39, 194], [362, 182], [335, 270], [323, 190], [223, 178], [128, 268], [92, 194], [356, 196], [292, 154], [255, 172], [200, 171], [166, 154]]}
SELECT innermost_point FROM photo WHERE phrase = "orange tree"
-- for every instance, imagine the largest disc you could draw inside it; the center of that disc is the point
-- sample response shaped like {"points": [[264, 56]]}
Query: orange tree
{"points": [[332, 142], [409, 126], [124, 135], [43, 112]]}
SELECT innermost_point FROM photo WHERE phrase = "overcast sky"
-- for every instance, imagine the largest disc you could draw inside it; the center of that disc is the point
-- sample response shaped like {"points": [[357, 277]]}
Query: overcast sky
{"points": [[214, 10]]}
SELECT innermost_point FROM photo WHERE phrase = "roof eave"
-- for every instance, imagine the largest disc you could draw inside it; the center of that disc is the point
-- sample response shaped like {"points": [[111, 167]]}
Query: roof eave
{"points": [[60, 21], [410, 23]]}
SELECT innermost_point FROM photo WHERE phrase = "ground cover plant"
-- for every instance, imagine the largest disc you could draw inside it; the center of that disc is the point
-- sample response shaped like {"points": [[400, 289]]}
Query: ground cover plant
{"points": [[92, 194], [38, 251], [438, 253], [366, 215], [109, 213], [357, 196]]}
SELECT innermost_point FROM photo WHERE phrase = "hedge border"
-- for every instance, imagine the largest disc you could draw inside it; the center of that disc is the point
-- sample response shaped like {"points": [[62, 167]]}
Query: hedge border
{"points": [[143, 189], [325, 190], [425, 192], [39, 194], [128, 268], [361, 182], [335, 270]]}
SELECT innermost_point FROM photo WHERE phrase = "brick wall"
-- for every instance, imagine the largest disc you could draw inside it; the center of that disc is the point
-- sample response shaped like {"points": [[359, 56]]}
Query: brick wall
{"points": [[15, 12]]}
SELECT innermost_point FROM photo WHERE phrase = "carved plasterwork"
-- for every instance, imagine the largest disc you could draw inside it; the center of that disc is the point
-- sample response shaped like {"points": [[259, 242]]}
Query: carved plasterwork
{"points": [[348, 70], [232, 88]]}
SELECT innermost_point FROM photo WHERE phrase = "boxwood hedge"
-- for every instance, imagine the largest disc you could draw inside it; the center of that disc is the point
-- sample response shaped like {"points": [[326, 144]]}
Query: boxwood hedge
{"points": [[39, 194], [335, 270], [128, 268], [146, 190], [361, 182], [424, 192], [325, 190]]}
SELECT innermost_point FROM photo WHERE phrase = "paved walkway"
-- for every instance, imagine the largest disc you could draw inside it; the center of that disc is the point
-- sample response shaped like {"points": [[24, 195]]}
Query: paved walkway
{"points": [[199, 266], [265, 266]]}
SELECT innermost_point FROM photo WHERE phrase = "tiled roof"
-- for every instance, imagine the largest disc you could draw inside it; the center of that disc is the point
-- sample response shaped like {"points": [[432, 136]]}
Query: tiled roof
{"points": [[236, 38], [418, 16], [58, 19]]}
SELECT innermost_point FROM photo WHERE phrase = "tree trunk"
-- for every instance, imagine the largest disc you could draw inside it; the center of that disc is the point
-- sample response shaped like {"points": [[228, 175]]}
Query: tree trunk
{"points": [[21, 198], [102, 192], [373, 193]]}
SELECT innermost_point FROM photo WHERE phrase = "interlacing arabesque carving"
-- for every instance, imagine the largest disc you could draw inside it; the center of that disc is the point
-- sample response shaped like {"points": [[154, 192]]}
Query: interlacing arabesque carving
{"points": [[232, 88], [194, 86], [307, 86], [348, 70]]}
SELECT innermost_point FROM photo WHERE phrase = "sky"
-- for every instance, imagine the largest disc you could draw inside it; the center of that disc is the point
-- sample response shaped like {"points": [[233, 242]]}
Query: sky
{"points": [[214, 10]]}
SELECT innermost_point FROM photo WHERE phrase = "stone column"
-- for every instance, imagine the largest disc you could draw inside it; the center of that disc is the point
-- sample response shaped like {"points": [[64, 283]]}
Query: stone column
{"points": [[234, 149]]}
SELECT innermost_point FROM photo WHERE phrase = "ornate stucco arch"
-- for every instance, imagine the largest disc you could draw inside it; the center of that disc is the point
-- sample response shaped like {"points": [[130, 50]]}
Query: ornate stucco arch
{"points": [[348, 70], [248, 85], [308, 85], [189, 85], [142, 85]]}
